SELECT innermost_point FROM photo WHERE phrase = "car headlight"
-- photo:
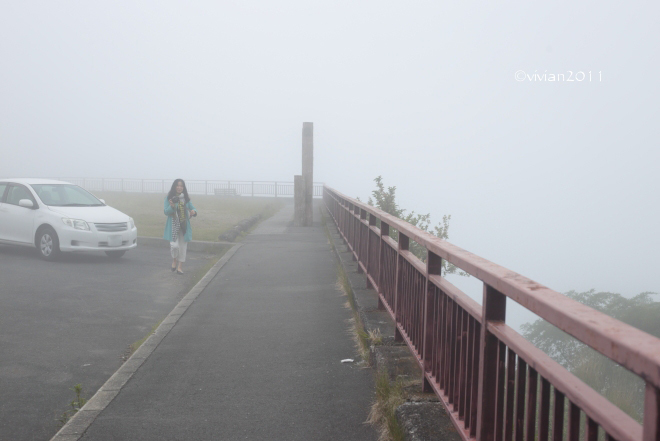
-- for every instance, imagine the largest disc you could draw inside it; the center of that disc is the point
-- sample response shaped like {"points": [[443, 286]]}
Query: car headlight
{"points": [[78, 224], [131, 223]]}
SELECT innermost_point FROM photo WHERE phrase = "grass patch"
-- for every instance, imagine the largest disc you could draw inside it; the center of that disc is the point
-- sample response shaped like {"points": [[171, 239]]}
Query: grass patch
{"points": [[375, 337], [216, 214], [389, 396]]}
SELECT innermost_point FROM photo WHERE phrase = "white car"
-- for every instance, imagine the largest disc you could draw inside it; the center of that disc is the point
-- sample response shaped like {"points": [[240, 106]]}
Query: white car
{"points": [[56, 216]]}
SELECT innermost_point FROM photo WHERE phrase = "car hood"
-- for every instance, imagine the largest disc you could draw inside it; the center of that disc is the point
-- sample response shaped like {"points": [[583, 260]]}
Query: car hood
{"points": [[95, 215]]}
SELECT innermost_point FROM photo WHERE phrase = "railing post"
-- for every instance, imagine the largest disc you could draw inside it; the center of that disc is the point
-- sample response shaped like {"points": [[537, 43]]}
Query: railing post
{"points": [[493, 309], [404, 245], [384, 232], [347, 222], [275, 189], [351, 212], [252, 188], [651, 413], [433, 267], [162, 183], [141, 185], [359, 247], [345, 225], [344, 229], [352, 234], [372, 223], [358, 235]]}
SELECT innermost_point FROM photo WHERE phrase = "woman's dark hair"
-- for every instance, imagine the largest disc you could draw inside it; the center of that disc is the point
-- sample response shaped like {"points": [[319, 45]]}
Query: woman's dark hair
{"points": [[172, 192]]}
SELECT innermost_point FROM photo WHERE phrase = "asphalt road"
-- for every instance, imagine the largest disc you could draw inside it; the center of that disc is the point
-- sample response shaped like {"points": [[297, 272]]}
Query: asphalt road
{"points": [[257, 356], [68, 322]]}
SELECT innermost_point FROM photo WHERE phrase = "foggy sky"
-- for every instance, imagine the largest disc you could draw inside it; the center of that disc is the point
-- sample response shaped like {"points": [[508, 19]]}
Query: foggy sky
{"points": [[555, 180]]}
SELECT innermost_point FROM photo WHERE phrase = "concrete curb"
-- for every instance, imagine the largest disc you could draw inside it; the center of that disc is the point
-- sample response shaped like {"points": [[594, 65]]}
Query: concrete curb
{"points": [[74, 429], [239, 228]]}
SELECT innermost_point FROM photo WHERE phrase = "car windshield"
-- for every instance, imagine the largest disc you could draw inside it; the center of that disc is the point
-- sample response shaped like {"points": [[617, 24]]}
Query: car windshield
{"points": [[65, 195]]}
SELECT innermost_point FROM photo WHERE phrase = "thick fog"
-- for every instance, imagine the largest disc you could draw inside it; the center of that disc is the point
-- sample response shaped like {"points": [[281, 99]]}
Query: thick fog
{"points": [[557, 180]]}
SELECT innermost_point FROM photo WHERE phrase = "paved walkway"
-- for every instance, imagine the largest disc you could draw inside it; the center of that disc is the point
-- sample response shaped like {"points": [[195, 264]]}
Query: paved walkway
{"points": [[67, 322], [256, 356]]}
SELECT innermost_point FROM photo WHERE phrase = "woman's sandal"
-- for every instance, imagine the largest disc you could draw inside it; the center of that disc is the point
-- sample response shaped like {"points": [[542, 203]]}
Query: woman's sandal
{"points": [[173, 268], [179, 272]]}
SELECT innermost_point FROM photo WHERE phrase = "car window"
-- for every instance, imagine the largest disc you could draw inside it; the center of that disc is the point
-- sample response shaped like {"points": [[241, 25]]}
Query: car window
{"points": [[18, 192], [47, 195], [3, 187], [65, 195]]}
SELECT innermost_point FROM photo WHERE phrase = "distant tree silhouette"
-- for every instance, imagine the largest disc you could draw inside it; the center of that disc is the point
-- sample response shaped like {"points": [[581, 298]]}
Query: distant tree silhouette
{"points": [[614, 382], [385, 199]]}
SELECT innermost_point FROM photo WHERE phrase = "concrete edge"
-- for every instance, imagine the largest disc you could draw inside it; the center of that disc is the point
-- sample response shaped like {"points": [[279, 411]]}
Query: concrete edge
{"points": [[349, 270], [394, 358], [74, 429]]}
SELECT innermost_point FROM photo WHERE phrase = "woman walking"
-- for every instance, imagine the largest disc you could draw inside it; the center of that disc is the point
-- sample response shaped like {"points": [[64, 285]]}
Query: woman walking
{"points": [[178, 231]]}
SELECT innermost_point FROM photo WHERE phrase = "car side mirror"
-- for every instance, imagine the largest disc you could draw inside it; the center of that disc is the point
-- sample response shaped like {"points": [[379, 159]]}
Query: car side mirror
{"points": [[26, 203]]}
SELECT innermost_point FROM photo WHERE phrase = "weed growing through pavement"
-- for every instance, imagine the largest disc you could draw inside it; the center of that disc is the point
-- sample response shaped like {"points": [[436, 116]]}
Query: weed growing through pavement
{"points": [[389, 396], [135, 346], [375, 337], [360, 336], [361, 344], [76, 405]]}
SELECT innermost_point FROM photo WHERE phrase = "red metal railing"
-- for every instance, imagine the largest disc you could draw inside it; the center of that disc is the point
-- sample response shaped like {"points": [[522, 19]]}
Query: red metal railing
{"points": [[494, 384]]}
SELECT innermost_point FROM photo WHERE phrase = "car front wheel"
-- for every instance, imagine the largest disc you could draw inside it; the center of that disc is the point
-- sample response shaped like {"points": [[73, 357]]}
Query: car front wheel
{"points": [[48, 244], [115, 254]]}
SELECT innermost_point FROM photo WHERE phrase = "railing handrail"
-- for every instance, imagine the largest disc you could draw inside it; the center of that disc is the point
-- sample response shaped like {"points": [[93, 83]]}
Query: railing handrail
{"points": [[635, 349]]}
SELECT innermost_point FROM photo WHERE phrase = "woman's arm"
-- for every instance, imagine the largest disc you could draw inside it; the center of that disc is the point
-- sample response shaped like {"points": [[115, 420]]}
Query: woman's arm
{"points": [[191, 207], [168, 210]]}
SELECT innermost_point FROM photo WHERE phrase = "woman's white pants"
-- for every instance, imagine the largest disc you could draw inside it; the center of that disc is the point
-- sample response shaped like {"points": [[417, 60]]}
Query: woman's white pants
{"points": [[179, 248]]}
